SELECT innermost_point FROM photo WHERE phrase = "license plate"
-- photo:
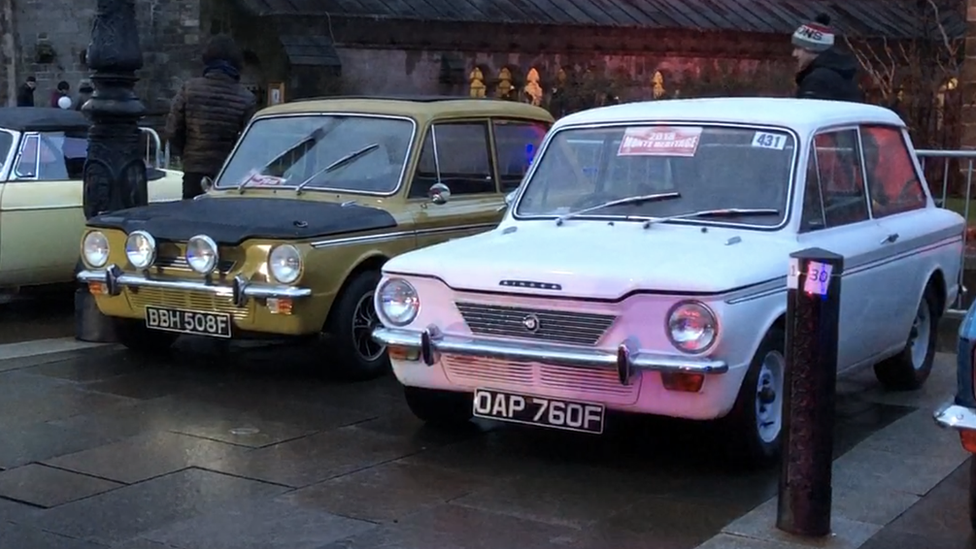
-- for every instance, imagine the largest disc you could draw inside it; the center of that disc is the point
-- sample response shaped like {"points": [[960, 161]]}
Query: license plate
{"points": [[543, 412], [188, 322]]}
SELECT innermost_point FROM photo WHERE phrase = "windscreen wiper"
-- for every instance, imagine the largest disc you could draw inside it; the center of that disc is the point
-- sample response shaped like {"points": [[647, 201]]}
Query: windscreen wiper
{"points": [[722, 212], [337, 164], [306, 142], [619, 202]]}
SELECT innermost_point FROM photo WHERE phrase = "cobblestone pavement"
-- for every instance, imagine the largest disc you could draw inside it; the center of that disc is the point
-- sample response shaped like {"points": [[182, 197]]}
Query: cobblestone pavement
{"points": [[252, 447]]}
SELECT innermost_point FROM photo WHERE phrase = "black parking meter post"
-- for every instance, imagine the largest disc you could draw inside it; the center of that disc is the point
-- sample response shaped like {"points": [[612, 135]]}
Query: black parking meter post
{"points": [[115, 173], [812, 322]]}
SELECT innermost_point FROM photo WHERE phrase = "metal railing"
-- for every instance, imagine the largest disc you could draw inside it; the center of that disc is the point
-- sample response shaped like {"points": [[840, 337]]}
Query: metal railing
{"points": [[954, 164], [154, 149]]}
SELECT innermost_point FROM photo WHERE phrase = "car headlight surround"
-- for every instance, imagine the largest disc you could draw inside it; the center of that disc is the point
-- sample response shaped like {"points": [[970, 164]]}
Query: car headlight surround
{"points": [[95, 248], [398, 301], [285, 263], [202, 254], [140, 249], [691, 327]]}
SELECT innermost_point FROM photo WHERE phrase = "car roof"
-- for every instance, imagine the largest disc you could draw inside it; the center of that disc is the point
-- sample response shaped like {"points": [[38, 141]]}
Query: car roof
{"points": [[42, 119], [802, 115], [420, 107]]}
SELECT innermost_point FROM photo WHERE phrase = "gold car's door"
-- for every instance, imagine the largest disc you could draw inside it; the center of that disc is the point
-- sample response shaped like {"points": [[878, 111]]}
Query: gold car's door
{"points": [[478, 161]]}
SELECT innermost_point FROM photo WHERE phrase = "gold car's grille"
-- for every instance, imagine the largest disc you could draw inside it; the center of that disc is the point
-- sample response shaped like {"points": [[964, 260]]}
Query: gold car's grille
{"points": [[556, 326], [183, 299], [172, 256], [179, 263]]}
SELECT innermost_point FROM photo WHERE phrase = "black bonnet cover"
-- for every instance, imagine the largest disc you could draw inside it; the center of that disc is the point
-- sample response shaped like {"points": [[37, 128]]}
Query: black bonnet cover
{"points": [[230, 221]]}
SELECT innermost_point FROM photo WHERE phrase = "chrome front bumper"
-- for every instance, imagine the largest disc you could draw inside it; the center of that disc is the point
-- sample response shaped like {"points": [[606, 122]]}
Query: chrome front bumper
{"points": [[954, 416], [240, 290], [432, 342]]}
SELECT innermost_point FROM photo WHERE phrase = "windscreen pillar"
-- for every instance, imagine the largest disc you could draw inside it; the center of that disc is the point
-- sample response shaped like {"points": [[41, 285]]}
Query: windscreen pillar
{"points": [[115, 172]]}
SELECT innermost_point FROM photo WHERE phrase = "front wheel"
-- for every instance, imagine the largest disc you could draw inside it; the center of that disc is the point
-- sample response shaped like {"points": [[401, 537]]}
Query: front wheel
{"points": [[909, 369], [754, 427], [140, 339], [351, 322], [439, 408]]}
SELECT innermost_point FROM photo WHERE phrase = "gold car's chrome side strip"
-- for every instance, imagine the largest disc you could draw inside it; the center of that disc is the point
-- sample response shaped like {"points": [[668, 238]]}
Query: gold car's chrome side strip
{"points": [[385, 237]]}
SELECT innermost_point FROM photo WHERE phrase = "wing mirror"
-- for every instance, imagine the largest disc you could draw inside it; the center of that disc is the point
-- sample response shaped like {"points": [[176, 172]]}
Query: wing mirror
{"points": [[206, 184], [509, 198], [439, 193]]}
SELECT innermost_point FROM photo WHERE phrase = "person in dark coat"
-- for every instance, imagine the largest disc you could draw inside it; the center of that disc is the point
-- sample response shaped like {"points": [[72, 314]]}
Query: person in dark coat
{"points": [[85, 91], [823, 72], [25, 94], [208, 114], [63, 91]]}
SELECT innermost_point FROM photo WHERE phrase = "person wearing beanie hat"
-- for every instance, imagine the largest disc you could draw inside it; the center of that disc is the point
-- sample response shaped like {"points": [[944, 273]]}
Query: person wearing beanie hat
{"points": [[823, 72]]}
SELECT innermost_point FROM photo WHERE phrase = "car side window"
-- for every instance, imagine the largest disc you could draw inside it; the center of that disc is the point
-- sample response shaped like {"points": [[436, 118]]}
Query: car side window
{"points": [[894, 184], [812, 218], [459, 153], [26, 167], [841, 179], [516, 144]]}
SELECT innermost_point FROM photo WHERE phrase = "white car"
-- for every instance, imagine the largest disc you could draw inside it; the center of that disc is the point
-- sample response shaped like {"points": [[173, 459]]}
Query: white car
{"points": [[642, 267]]}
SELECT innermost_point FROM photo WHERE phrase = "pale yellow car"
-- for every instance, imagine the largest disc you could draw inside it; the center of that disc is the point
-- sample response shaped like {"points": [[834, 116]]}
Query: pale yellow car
{"points": [[316, 196], [42, 157]]}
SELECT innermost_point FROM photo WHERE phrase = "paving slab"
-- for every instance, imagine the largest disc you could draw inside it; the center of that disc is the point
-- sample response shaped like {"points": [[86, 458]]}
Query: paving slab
{"points": [[147, 456], [17, 536], [49, 487], [282, 525], [128, 512]]}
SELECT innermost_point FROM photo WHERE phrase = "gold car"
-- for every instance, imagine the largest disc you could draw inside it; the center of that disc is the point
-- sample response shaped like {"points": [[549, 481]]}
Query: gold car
{"points": [[42, 160], [316, 196]]}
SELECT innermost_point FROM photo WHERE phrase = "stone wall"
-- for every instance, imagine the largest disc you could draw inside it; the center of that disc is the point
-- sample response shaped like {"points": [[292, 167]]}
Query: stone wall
{"points": [[51, 41], [8, 77], [967, 80]]}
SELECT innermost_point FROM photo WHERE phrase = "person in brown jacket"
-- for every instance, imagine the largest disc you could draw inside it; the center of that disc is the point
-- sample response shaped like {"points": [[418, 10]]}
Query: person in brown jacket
{"points": [[208, 114]]}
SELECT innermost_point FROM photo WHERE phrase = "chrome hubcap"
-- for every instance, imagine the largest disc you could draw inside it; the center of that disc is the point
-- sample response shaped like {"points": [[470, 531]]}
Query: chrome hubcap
{"points": [[363, 322], [769, 401], [918, 338]]}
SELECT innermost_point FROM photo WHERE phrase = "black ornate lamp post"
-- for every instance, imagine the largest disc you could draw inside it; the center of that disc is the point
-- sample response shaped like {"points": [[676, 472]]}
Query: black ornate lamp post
{"points": [[115, 173]]}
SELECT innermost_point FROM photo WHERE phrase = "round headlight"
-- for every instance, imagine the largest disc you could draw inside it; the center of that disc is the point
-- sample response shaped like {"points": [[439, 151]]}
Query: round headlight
{"points": [[692, 327], [398, 302], [285, 263], [201, 254], [94, 248], [140, 248]]}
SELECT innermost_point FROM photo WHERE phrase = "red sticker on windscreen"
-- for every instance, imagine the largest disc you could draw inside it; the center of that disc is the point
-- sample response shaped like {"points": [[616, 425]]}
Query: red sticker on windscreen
{"points": [[660, 141], [255, 179]]}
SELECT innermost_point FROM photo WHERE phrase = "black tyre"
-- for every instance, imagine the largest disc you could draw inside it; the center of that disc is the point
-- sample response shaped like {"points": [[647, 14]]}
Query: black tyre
{"points": [[356, 357], [909, 369], [439, 408], [138, 338], [754, 427]]}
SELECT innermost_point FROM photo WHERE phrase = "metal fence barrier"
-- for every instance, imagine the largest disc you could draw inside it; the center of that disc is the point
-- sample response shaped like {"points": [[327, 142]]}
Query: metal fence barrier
{"points": [[954, 164]]}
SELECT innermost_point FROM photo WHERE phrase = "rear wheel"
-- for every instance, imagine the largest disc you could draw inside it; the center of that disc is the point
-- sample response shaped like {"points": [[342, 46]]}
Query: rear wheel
{"points": [[439, 408], [138, 338], [755, 424], [909, 369], [351, 322]]}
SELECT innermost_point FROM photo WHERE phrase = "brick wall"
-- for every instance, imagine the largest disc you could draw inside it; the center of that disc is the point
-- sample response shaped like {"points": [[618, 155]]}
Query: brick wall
{"points": [[967, 80], [169, 32]]}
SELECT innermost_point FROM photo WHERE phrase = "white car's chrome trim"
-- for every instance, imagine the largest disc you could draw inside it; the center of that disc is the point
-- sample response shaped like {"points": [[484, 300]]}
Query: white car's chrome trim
{"points": [[627, 357], [115, 280]]}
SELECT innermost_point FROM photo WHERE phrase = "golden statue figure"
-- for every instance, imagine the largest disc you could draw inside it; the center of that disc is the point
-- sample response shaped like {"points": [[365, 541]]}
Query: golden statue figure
{"points": [[533, 90], [658, 82], [477, 83]]}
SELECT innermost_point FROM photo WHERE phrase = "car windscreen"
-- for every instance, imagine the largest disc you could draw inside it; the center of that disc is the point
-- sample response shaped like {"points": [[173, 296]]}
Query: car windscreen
{"points": [[6, 141], [350, 153], [709, 166]]}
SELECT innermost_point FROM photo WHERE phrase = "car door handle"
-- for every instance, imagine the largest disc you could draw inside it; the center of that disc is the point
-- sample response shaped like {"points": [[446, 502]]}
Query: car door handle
{"points": [[891, 238]]}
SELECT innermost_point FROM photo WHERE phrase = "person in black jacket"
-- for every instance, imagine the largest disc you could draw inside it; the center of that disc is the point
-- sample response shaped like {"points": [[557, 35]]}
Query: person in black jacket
{"points": [[25, 95], [823, 72]]}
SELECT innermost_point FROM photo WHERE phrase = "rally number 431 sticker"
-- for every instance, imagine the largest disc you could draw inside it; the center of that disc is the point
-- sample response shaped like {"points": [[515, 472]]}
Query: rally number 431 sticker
{"points": [[766, 140]]}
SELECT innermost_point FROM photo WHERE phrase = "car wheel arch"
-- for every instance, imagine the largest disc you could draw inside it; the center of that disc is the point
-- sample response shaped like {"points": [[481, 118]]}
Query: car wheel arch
{"points": [[936, 283], [370, 262]]}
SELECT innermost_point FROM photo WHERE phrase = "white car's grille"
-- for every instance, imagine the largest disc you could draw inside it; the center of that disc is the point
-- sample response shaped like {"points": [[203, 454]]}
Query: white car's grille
{"points": [[557, 381], [573, 328]]}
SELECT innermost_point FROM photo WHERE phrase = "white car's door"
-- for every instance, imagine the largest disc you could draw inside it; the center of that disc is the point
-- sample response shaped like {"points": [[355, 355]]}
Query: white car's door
{"points": [[836, 218], [898, 202]]}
